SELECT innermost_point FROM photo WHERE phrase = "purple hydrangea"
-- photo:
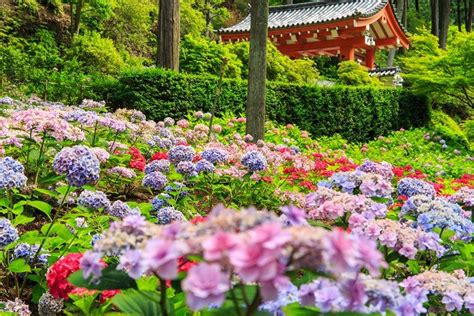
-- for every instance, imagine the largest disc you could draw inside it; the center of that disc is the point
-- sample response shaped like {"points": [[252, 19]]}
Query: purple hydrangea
{"points": [[215, 155], [79, 164], [181, 153], [11, 174], [122, 210], [160, 201], [204, 166], [91, 265], [410, 187], [384, 168], [93, 200], [28, 252], [158, 165], [168, 215], [254, 161], [8, 233], [155, 180], [185, 168], [168, 121]]}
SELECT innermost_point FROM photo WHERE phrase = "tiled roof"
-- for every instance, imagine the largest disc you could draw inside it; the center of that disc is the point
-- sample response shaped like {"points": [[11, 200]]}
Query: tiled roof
{"points": [[312, 13]]}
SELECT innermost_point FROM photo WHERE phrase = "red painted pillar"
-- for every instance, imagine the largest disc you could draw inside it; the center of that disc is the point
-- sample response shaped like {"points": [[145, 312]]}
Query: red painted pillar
{"points": [[370, 58], [347, 53]]}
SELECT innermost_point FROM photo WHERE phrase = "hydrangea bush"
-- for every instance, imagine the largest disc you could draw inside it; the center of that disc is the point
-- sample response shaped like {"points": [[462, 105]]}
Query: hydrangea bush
{"points": [[110, 212]]}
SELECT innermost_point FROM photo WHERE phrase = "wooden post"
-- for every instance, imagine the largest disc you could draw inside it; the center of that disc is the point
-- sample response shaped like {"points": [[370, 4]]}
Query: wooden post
{"points": [[255, 111], [348, 53], [168, 51], [370, 58]]}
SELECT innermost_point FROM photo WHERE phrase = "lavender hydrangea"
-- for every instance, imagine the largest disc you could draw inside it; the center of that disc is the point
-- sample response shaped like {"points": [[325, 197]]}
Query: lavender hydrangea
{"points": [[181, 153], [79, 164], [215, 155], [413, 203], [447, 219], [122, 210], [346, 181], [158, 165], [123, 172], [155, 180], [11, 174], [204, 166], [93, 200], [410, 187], [383, 168], [185, 168], [8, 233], [254, 161], [28, 252], [168, 215]]}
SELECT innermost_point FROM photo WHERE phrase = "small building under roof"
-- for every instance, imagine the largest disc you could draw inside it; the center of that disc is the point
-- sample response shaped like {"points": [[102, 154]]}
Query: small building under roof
{"points": [[349, 29]]}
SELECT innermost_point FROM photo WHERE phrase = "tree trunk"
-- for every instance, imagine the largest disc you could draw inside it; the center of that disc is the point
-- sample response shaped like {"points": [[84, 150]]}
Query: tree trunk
{"points": [[168, 50], [255, 111], [405, 13], [76, 17], [400, 11], [435, 17], [288, 1], [207, 9], [470, 15], [458, 14], [417, 6], [444, 15]]}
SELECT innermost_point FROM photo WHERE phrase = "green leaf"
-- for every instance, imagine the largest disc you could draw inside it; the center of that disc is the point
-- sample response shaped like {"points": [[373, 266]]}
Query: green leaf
{"points": [[46, 192], [22, 219], [19, 266], [111, 279], [42, 206], [144, 303]]}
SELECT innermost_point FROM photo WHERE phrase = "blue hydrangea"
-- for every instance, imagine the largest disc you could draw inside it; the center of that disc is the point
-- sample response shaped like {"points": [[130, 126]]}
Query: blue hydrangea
{"points": [[11, 174], [413, 203], [168, 215], [410, 187], [286, 296], [204, 166], [155, 180], [447, 219], [95, 238], [160, 201], [346, 181], [254, 161], [177, 187], [94, 200], [8, 233], [215, 155], [158, 165], [180, 153], [79, 163], [185, 168], [28, 252], [325, 184], [122, 210]]}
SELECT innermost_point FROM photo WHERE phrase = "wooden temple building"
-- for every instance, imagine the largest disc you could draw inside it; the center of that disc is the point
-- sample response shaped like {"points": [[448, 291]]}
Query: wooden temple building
{"points": [[349, 29]]}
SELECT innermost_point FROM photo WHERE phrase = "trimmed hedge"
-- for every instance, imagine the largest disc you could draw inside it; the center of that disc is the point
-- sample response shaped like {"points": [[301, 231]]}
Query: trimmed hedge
{"points": [[356, 113]]}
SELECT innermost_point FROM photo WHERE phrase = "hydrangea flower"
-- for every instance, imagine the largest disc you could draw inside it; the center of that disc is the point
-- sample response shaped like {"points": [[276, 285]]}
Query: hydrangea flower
{"points": [[185, 168], [8, 233], [254, 161], [79, 164], [204, 166], [28, 252], [11, 174], [155, 180], [410, 187], [383, 168], [215, 155], [93, 200], [91, 265], [181, 153], [160, 201], [162, 165], [122, 210], [168, 215], [447, 219], [123, 172], [205, 285], [49, 305]]}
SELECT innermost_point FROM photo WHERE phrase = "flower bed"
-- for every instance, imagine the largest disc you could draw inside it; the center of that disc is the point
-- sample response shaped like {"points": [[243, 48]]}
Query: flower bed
{"points": [[108, 212]]}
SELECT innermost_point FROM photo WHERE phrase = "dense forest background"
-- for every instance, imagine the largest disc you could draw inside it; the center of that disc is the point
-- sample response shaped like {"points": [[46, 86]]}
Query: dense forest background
{"points": [[58, 48]]}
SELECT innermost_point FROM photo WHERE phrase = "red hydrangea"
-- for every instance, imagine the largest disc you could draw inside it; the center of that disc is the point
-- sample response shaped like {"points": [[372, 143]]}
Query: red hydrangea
{"points": [[138, 161], [159, 156], [58, 273]]}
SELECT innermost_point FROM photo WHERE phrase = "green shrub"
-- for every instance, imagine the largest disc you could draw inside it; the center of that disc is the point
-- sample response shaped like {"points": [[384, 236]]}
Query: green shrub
{"points": [[356, 113], [447, 128], [468, 127], [353, 74]]}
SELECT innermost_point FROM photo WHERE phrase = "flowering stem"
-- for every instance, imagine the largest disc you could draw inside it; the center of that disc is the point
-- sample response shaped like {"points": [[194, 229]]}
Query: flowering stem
{"points": [[113, 143], [255, 303], [40, 157], [95, 134], [164, 310], [29, 148], [55, 217], [68, 245], [234, 300]]}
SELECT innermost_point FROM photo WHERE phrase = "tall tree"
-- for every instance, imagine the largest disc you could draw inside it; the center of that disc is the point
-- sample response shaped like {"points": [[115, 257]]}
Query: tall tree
{"points": [[400, 10], [76, 12], [168, 35], [255, 111], [434, 17], [469, 9], [444, 17], [458, 14]]}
